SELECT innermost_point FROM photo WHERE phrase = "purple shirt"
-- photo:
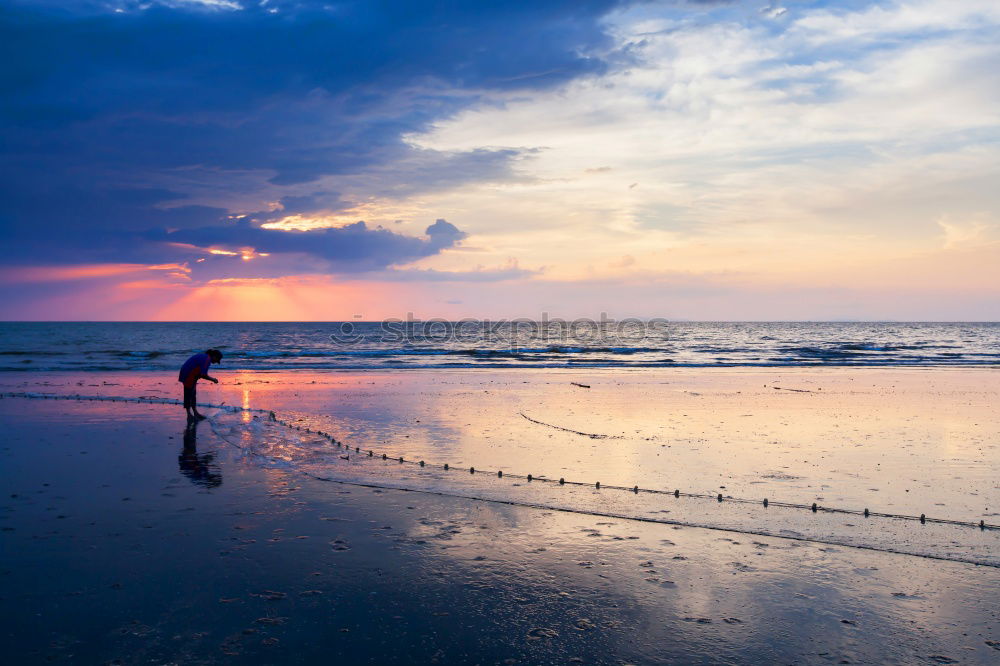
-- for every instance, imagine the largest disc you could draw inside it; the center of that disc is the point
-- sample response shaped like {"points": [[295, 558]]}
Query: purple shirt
{"points": [[194, 368]]}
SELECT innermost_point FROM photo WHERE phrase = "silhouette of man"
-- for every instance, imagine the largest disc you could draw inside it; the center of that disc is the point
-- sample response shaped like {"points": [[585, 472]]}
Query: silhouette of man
{"points": [[196, 368]]}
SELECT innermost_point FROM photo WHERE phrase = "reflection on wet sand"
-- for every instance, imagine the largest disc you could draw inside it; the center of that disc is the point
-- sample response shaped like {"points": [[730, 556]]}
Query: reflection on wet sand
{"points": [[892, 440], [866, 437], [200, 468]]}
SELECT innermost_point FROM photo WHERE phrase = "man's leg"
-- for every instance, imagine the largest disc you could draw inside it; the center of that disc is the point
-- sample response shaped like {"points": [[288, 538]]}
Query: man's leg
{"points": [[194, 401], [189, 401]]}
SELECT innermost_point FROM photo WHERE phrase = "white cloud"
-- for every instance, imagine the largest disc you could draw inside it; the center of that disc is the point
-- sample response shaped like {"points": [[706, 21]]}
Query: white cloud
{"points": [[966, 233], [731, 123], [814, 150], [882, 20]]}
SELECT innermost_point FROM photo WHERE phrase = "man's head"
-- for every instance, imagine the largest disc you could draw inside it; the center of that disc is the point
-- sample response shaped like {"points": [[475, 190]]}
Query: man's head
{"points": [[215, 355]]}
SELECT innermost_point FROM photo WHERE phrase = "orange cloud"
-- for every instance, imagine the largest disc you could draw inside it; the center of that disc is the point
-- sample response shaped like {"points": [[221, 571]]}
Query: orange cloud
{"points": [[83, 272]]}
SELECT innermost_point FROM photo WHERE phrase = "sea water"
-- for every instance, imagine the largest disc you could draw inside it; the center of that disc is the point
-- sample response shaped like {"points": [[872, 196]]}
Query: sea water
{"points": [[108, 346]]}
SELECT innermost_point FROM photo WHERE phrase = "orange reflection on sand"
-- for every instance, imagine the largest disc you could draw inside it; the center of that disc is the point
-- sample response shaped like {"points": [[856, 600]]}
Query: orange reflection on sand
{"points": [[246, 415]]}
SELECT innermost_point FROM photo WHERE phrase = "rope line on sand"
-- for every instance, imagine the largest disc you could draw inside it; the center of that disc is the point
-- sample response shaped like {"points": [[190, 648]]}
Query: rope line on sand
{"points": [[370, 453], [575, 432]]}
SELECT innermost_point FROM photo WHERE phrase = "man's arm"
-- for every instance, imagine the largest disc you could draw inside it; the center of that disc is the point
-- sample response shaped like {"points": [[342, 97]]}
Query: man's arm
{"points": [[211, 379]]}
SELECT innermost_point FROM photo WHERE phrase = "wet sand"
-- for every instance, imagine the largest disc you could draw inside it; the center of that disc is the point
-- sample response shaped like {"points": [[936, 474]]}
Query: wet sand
{"points": [[128, 539], [893, 440]]}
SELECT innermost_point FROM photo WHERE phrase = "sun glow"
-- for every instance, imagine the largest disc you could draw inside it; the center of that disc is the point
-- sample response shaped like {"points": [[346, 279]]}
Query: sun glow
{"points": [[316, 298], [245, 253], [382, 211]]}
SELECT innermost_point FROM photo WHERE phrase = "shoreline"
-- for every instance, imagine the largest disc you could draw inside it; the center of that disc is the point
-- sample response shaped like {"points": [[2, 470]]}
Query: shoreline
{"points": [[555, 369]]}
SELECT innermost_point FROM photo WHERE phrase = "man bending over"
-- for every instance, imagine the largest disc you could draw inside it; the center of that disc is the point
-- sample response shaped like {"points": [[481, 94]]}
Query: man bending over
{"points": [[196, 368]]}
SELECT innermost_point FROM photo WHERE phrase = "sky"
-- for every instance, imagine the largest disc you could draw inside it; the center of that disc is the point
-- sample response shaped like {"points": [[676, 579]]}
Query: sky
{"points": [[299, 160]]}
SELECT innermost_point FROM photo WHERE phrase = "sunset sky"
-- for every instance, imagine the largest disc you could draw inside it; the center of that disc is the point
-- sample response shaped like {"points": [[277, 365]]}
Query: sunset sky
{"points": [[299, 160]]}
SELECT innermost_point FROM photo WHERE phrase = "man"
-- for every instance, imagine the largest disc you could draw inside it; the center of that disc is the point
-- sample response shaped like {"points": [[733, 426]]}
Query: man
{"points": [[196, 368]]}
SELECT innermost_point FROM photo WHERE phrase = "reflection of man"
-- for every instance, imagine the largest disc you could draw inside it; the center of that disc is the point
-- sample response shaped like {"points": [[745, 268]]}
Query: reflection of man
{"points": [[200, 468], [196, 368]]}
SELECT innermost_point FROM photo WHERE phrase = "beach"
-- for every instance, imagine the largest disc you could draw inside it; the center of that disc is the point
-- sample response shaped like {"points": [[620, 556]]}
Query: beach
{"points": [[606, 332], [129, 538]]}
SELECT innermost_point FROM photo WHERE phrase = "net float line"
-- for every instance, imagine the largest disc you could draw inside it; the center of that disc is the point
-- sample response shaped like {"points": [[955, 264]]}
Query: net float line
{"points": [[598, 512], [597, 485]]}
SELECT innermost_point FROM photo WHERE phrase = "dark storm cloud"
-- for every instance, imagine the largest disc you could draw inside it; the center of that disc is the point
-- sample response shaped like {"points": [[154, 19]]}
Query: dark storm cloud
{"points": [[354, 245], [100, 106], [352, 249]]}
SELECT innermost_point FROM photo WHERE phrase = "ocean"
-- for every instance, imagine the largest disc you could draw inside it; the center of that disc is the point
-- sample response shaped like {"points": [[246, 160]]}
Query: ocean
{"points": [[114, 346]]}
